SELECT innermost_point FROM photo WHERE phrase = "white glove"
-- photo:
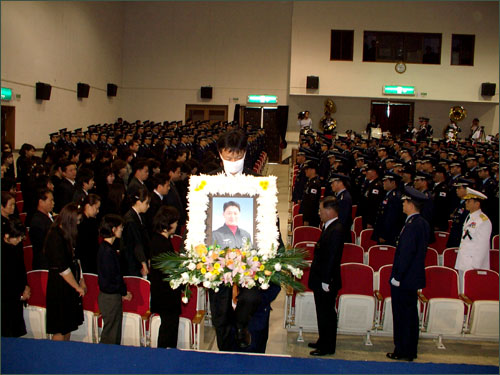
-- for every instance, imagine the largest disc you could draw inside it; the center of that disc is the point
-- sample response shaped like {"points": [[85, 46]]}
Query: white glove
{"points": [[325, 287], [395, 282]]}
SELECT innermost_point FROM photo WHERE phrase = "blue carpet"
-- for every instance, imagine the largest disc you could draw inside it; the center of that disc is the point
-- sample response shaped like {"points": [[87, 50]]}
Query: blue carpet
{"points": [[29, 356]]}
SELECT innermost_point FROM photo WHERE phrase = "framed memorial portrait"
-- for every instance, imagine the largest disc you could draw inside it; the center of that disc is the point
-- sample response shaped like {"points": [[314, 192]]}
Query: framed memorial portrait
{"points": [[230, 211]]}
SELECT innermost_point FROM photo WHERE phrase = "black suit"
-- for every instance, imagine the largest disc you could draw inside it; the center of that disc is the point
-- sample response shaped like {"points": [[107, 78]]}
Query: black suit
{"points": [[164, 300], [63, 194], [39, 227], [134, 245], [154, 206], [325, 269], [409, 269]]}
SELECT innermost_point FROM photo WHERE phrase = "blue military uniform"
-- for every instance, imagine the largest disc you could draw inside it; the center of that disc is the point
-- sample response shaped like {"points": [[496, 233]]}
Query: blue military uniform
{"points": [[389, 219], [408, 275]]}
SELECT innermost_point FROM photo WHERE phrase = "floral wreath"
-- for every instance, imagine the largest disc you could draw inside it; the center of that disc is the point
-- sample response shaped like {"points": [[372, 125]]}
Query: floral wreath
{"points": [[247, 267]]}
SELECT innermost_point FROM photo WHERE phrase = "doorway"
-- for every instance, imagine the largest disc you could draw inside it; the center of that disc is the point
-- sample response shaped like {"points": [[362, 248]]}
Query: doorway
{"points": [[266, 118], [8, 125], [212, 113], [393, 116]]}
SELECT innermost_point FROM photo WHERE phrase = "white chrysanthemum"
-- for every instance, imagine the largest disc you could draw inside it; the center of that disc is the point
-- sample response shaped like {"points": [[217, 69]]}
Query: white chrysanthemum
{"points": [[264, 286], [277, 267], [207, 284], [184, 299], [191, 266], [185, 277]]}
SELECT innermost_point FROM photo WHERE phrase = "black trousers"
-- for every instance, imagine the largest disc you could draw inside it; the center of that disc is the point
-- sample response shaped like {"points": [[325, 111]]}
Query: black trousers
{"points": [[110, 306], [327, 320], [169, 328], [226, 319], [405, 321]]}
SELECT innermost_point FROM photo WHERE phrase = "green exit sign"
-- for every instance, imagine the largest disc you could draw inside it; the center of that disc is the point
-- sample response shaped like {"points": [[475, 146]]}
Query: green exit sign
{"points": [[263, 99], [398, 90], [6, 93]]}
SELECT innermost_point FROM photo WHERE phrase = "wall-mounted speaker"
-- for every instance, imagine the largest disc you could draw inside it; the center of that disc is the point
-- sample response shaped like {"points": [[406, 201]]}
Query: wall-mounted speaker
{"points": [[206, 92], [312, 82], [43, 91], [82, 90], [112, 88], [488, 89]]}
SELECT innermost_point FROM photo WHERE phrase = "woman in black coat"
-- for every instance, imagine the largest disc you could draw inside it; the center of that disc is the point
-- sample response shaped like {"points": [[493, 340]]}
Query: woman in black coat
{"points": [[87, 240], [15, 289], [165, 301], [65, 286]]}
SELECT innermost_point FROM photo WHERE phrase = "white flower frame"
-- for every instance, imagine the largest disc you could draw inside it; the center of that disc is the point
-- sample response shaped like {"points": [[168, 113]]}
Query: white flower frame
{"points": [[262, 188]]}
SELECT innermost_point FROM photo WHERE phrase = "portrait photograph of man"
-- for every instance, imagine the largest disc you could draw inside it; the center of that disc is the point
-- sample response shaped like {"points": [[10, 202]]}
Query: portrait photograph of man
{"points": [[233, 219]]}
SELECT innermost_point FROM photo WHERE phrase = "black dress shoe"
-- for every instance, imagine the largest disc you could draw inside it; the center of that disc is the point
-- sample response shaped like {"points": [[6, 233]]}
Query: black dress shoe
{"points": [[313, 345], [243, 338], [320, 353], [398, 357]]}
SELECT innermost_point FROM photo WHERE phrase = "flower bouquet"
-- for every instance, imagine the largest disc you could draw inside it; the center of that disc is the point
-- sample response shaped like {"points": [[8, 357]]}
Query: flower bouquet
{"points": [[213, 266]]}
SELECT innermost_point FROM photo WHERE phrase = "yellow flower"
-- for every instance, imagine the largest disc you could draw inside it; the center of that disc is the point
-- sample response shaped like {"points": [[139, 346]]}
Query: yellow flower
{"points": [[261, 268], [217, 266], [255, 259], [256, 277], [267, 273], [203, 271], [201, 250], [204, 259], [243, 267], [247, 273], [221, 252], [264, 185], [216, 271]]}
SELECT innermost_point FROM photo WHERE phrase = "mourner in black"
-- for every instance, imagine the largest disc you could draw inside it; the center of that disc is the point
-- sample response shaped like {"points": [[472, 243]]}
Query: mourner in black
{"points": [[324, 278]]}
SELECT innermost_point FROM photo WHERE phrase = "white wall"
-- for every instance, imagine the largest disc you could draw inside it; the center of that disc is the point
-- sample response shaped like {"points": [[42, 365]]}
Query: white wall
{"points": [[352, 84], [171, 49], [60, 43]]}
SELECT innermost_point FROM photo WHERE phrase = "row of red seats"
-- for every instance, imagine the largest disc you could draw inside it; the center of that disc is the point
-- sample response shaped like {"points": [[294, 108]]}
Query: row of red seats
{"points": [[139, 305]]}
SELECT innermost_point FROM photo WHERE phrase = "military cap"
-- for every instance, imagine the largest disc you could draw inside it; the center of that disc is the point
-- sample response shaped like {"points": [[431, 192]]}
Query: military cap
{"points": [[412, 194], [423, 176], [391, 176], [474, 194]]}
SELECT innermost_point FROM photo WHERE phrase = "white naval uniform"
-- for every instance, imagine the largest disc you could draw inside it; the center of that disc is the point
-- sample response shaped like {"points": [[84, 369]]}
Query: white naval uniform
{"points": [[474, 250]]}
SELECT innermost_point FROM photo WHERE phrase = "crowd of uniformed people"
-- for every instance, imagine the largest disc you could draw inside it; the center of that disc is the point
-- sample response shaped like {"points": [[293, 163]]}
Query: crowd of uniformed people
{"points": [[117, 188], [372, 174]]}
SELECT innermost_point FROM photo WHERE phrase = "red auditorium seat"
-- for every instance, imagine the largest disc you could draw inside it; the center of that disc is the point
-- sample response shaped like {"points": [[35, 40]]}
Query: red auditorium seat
{"points": [[305, 233], [380, 255], [441, 239], [450, 257], [357, 225], [383, 294], [431, 257], [352, 254], [309, 246], [298, 221], [494, 260], [176, 242], [481, 298], [295, 209], [494, 242], [28, 257], [365, 239], [354, 210]]}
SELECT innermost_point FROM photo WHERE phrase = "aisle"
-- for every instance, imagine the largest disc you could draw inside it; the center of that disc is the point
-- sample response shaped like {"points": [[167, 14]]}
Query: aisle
{"points": [[277, 343]]}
